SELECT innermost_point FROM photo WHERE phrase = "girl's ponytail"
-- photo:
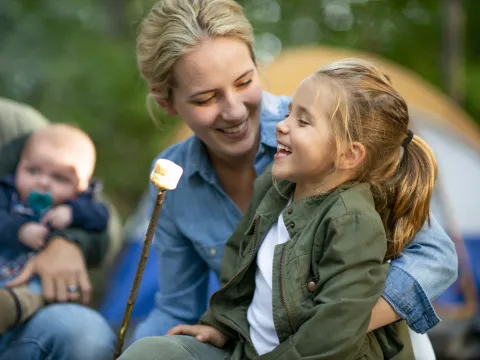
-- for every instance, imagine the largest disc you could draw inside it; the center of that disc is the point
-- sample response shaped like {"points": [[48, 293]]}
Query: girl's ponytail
{"points": [[410, 193]]}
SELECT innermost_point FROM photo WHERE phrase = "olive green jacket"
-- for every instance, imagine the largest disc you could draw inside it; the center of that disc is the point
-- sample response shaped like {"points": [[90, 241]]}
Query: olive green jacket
{"points": [[326, 278]]}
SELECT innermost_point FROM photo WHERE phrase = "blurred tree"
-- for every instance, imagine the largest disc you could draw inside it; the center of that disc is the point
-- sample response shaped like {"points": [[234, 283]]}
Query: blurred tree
{"points": [[74, 60]]}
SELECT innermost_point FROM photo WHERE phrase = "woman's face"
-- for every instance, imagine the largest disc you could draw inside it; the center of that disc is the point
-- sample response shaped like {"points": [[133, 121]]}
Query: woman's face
{"points": [[218, 94]]}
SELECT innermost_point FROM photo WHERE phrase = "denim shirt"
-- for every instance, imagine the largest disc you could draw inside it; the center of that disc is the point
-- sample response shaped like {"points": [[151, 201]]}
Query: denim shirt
{"points": [[198, 218]]}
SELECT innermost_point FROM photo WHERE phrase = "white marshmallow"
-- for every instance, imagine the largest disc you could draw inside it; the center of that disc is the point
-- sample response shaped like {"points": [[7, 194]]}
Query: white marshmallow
{"points": [[166, 174]]}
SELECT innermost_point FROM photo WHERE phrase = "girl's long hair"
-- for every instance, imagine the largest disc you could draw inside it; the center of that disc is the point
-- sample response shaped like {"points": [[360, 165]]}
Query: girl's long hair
{"points": [[400, 168]]}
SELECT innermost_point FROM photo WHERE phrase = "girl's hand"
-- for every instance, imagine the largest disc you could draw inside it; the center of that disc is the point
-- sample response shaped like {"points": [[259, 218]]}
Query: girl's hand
{"points": [[202, 333]]}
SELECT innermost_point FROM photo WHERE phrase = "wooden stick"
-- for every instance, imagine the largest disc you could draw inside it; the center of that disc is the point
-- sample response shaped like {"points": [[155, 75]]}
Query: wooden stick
{"points": [[140, 268]]}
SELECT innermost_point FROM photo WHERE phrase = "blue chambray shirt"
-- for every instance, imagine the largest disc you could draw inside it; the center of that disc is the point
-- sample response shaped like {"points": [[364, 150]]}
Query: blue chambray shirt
{"points": [[198, 218]]}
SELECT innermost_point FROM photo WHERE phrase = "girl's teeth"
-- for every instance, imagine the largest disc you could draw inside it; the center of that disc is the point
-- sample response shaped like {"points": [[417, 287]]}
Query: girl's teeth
{"points": [[281, 147], [235, 129]]}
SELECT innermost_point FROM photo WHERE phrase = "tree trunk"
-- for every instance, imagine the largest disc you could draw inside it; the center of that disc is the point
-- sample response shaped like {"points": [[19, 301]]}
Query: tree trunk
{"points": [[452, 48]]}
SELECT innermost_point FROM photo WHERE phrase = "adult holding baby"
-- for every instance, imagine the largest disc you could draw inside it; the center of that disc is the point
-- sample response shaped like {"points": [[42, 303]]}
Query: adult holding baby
{"points": [[197, 57], [64, 330]]}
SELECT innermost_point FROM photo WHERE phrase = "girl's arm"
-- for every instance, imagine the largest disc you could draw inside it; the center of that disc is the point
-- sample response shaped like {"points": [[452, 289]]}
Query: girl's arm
{"points": [[352, 277], [382, 314], [425, 269]]}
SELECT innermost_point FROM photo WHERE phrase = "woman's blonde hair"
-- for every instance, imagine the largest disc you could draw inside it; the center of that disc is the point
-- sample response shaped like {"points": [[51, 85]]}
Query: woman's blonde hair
{"points": [[401, 169], [173, 27]]}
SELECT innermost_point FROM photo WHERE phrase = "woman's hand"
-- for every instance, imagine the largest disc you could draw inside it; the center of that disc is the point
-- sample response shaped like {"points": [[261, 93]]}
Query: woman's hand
{"points": [[202, 333], [62, 270]]}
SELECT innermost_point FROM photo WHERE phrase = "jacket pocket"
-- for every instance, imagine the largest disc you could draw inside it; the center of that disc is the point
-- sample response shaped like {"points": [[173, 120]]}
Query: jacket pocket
{"points": [[307, 280]]}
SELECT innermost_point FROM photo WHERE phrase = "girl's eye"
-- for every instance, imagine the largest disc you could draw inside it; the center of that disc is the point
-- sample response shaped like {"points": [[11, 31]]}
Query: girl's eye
{"points": [[33, 171], [303, 122], [287, 115]]}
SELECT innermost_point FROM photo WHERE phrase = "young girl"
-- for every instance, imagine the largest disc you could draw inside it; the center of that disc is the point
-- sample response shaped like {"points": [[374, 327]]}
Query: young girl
{"points": [[308, 262]]}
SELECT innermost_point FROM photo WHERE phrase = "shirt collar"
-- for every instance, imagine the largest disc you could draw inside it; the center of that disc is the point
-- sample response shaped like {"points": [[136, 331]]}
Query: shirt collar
{"points": [[274, 109], [197, 160]]}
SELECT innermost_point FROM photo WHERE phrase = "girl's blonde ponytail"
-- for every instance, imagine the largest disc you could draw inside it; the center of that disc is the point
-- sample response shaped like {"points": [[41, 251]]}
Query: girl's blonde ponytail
{"points": [[409, 194]]}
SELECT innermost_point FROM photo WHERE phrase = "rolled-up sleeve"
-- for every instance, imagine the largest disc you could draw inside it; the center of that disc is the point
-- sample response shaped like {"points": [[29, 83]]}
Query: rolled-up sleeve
{"points": [[424, 270]]}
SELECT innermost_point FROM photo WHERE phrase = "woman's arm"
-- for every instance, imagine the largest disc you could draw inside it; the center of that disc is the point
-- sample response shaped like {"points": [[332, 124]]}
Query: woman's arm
{"points": [[424, 270]]}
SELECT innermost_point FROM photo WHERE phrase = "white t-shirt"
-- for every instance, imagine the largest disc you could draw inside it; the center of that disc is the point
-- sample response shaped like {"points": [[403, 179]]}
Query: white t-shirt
{"points": [[260, 311]]}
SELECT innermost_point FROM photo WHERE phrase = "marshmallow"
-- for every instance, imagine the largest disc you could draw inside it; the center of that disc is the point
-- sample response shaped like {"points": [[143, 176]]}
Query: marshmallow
{"points": [[166, 174]]}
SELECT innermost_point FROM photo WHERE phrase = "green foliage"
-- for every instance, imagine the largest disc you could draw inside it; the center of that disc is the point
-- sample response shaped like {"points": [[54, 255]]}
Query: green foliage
{"points": [[74, 60]]}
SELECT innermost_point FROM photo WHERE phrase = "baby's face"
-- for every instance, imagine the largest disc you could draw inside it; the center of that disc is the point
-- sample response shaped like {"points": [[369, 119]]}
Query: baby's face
{"points": [[45, 169]]}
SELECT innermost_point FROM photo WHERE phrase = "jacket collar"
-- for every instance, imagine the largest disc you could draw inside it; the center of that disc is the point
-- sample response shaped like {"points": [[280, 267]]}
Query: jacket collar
{"points": [[197, 161], [298, 213]]}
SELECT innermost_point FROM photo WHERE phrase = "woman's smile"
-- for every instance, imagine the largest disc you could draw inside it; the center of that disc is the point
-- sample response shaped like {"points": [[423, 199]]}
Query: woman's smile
{"points": [[236, 131]]}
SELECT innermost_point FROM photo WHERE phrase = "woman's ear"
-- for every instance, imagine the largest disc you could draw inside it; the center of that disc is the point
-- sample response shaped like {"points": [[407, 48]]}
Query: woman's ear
{"points": [[352, 156], [167, 106]]}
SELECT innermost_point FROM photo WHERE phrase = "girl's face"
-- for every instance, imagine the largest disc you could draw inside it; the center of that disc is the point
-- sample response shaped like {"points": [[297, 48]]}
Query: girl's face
{"points": [[218, 94], [306, 146]]}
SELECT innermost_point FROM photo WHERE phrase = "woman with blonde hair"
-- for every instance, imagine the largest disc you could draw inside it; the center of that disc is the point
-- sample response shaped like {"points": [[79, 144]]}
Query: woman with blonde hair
{"points": [[198, 59]]}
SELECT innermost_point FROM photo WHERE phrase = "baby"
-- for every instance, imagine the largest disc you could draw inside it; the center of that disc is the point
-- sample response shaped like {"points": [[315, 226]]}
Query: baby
{"points": [[50, 191]]}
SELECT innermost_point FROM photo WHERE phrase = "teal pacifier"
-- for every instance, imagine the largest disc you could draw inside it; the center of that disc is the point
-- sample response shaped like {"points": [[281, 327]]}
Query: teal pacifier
{"points": [[39, 202]]}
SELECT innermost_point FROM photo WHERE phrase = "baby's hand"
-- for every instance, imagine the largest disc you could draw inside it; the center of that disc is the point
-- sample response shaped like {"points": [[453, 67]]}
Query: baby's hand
{"points": [[202, 333], [33, 235], [59, 217]]}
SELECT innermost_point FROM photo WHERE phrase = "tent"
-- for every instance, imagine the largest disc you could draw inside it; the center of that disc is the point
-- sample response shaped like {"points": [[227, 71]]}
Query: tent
{"points": [[452, 134]]}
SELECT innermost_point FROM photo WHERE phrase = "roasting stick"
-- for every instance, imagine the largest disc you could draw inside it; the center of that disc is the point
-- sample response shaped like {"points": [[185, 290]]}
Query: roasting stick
{"points": [[164, 176]]}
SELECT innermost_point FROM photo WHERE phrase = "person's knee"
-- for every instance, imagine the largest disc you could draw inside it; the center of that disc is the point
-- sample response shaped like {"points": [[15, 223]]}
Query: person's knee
{"points": [[155, 348], [73, 331]]}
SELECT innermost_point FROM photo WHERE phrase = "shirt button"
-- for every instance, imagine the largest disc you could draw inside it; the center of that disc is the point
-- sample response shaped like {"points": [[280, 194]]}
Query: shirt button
{"points": [[311, 286], [292, 225], [213, 251], [290, 211]]}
